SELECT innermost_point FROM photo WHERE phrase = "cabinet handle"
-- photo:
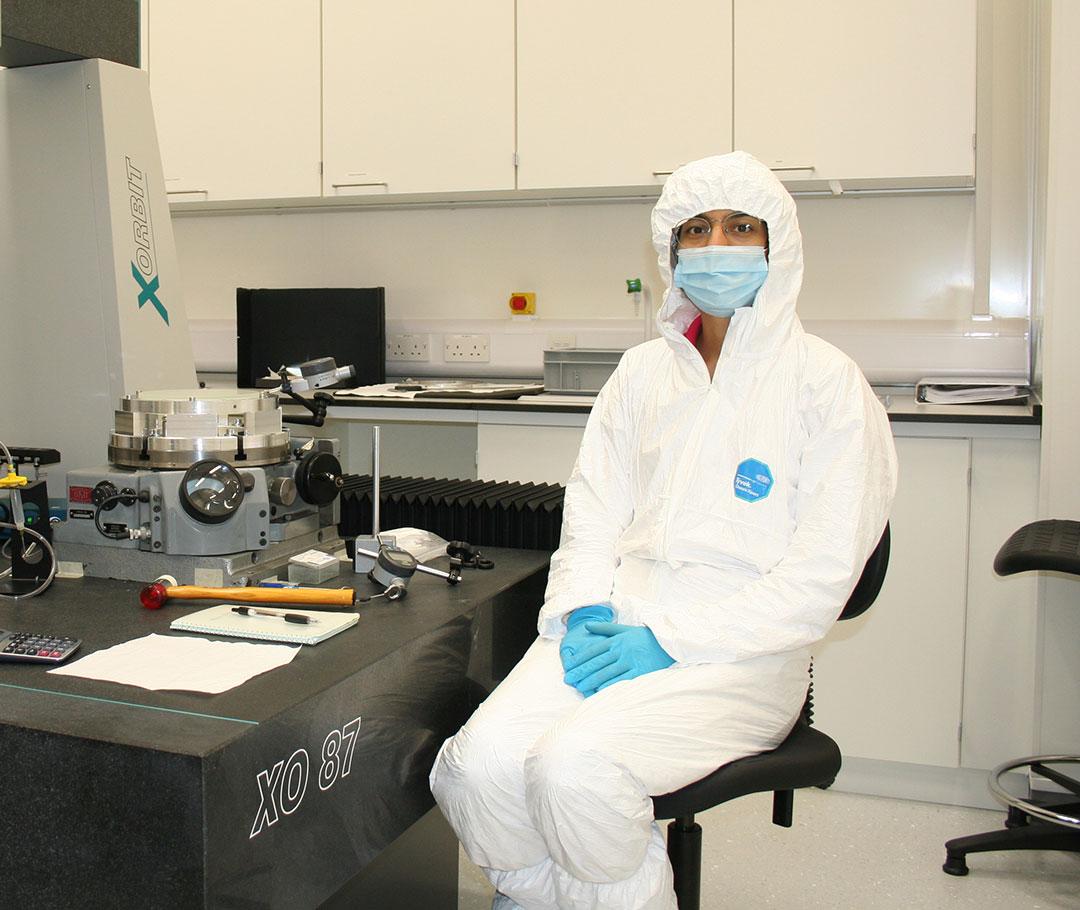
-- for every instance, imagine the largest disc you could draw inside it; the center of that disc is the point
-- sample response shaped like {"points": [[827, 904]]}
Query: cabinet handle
{"points": [[374, 183], [185, 192], [786, 167]]}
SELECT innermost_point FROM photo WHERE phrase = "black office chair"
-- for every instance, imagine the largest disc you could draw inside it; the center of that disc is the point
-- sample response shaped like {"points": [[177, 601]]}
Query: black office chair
{"points": [[1052, 823], [807, 758]]}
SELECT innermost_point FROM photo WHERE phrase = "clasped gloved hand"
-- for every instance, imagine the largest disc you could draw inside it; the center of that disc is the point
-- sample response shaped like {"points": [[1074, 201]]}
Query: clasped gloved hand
{"points": [[622, 652], [577, 637]]}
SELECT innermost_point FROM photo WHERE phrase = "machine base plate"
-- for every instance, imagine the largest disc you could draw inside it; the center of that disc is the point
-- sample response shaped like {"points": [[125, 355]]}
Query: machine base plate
{"points": [[211, 571]]}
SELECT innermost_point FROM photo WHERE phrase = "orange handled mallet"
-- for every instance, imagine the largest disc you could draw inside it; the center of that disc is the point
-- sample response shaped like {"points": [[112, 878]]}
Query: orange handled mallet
{"points": [[154, 595]]}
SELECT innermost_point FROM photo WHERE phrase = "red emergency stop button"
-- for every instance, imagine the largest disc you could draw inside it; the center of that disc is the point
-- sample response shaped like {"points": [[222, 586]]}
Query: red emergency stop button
{"points": [[522, 303]]}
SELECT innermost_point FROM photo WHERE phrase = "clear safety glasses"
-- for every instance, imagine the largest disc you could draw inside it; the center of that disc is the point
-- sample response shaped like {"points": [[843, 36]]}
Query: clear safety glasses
{"points": [[738, 228]]}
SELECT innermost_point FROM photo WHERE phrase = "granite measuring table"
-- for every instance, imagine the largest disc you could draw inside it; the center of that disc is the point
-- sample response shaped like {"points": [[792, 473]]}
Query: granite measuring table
{"points": [[303, 787]]}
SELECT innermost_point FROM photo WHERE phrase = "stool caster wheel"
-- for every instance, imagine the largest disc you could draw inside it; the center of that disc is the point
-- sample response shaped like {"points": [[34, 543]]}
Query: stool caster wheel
{"points": [[955, 864]]}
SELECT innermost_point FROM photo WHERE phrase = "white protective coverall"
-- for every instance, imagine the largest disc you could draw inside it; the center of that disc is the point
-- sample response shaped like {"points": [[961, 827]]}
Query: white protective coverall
{"points": [[670, 519]]}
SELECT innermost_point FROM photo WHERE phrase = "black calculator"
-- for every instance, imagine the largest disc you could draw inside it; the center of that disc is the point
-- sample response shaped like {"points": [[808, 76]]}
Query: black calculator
{"points": [[36, 647]]}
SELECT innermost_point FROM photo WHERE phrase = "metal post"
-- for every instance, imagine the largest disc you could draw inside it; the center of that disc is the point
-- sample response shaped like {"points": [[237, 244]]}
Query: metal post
{"points": [[684, 851], [376, 496], [363, 561]]}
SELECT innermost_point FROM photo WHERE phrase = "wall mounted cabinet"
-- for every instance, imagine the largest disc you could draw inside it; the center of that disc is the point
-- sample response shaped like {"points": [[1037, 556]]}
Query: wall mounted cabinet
{"points": [[419, 101], [235, 88], [857, 89], [280, 99], [620, 92]]}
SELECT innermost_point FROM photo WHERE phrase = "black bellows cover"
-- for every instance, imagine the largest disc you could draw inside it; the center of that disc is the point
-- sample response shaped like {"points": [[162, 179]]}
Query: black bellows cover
{"points": [[278, 327], [483, 512]]}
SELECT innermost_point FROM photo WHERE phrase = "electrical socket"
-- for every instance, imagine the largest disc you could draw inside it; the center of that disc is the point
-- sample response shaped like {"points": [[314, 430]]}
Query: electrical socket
{"points": [[466, 347], [561, 341], [408, 347]]}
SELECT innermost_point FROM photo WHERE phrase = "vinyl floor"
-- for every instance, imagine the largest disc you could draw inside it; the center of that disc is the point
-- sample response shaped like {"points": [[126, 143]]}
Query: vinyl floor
{"points": [[859, 852]]}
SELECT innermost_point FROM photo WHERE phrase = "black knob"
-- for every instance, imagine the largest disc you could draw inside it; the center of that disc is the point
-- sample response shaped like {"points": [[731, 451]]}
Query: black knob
{"points": [[318, 478]]}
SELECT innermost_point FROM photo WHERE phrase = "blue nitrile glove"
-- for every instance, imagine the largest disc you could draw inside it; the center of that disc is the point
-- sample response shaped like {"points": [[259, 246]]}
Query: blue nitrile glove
{"points": [[625, 652], [577, 637]]}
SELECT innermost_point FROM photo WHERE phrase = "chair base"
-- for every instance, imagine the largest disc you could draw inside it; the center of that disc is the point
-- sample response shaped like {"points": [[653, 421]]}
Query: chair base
{"points": [[1049, 810], [1020, 833], [1031, 824], [684, 851]]}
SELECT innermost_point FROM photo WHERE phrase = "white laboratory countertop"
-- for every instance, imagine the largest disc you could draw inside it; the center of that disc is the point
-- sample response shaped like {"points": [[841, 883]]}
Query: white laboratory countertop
{"points": [[899, 402]]}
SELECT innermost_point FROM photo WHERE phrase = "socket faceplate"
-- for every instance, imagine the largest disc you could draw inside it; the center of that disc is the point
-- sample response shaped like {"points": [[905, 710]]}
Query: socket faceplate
{"points": [[408, 347], [466, 347]]}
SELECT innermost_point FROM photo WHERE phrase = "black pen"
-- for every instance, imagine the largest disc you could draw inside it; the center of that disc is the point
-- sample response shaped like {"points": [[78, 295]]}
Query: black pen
{"points": [[288, 617]]}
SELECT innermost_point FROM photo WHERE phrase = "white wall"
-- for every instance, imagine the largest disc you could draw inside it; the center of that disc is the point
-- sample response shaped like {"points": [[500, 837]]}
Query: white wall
{"points": [[867, 258], [1058, 725], [888, 279]]}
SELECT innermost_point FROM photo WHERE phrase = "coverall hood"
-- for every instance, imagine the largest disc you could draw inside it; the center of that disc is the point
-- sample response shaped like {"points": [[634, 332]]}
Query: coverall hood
{"points": [[739, 182]]}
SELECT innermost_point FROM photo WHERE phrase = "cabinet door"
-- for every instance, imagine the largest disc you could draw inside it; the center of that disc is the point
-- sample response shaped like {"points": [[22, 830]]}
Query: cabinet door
{"points": [[620, 92], [537, 454], [856, 88], [889, 684], [236, 97], [417, 99], [1001, 635], [407, 448]]}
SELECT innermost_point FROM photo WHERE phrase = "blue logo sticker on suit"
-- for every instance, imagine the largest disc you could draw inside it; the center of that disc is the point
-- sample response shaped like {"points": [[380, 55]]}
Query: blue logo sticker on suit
{"points": [[753, 480]]}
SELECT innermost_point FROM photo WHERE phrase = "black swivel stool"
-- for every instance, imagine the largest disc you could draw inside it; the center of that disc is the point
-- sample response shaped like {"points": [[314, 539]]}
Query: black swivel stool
{"points": [[807, 758], [1043, 824]]}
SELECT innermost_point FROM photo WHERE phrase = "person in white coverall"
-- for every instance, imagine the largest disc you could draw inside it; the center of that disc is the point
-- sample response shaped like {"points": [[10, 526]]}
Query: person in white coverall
{"points": [[734, 477]]}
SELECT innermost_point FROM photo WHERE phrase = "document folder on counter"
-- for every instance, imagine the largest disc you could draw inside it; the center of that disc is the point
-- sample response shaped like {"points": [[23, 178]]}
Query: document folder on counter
{"points": [[221, 620], [964, 390]]}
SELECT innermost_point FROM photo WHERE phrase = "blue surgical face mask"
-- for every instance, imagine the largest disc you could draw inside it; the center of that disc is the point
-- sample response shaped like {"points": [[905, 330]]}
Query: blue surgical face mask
{"points": [[720, 279]]}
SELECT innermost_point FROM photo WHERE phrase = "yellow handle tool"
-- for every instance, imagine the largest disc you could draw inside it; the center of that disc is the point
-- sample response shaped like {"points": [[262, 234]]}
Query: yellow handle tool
{"points": [[154, 595]]}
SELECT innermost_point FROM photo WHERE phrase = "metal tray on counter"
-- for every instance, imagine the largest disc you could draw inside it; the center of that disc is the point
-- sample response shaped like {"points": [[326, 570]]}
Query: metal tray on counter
{"points": [[467, 388]]}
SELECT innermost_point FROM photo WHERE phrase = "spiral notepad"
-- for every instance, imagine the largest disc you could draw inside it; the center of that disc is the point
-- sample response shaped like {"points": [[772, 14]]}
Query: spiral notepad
{"points": [[221, 620]]}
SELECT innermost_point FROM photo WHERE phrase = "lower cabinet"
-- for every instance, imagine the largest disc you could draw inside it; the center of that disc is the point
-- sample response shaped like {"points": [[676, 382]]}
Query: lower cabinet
{"points": [[940, 672], [889, 684], [1000, 667], [407, 448], [527, 453]]}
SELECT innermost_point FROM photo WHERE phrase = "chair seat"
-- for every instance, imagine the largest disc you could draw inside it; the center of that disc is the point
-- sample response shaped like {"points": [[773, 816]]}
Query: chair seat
{"points": [[807, 758], [1050, 544]]}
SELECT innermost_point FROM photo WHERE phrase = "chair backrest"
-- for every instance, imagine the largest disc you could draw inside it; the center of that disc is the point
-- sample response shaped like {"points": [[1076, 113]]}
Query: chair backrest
{"points": [[873, 576]]}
